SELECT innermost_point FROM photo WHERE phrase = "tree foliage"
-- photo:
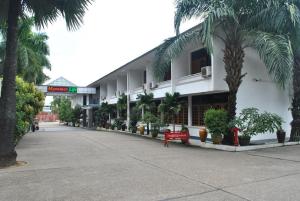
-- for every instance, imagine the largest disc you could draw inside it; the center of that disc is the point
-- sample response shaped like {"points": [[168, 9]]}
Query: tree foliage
{"points": [[171, 106], [30, 102], [32, 52], [122, 105]]}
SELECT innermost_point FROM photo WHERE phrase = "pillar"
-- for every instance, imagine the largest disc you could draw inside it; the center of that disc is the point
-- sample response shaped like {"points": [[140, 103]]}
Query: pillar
{"points": [[190, 108]]}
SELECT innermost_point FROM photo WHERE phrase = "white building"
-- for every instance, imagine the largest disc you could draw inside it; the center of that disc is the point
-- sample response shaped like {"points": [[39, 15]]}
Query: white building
{"points": [[200, 90]]}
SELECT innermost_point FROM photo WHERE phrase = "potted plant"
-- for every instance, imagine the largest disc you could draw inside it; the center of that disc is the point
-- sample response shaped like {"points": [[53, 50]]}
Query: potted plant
{"points": [[216, 122], [113, 126], [251, 123], [273, 123], [151, 119], [154, 130], [134, 118], [141, 128], [118, 123], [203, 134], [123, 127], [184, 129]]}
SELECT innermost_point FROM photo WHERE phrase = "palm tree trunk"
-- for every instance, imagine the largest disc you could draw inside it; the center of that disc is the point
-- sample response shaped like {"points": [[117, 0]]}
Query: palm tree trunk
{"points": [[233, 58], [295, 132], [8, 154]]}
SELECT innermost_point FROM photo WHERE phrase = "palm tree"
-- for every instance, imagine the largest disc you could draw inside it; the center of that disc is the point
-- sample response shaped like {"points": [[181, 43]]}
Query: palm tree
{"points": [[32, 52], [171, 105], [145, 103], [11, 11], [122, 105], [288, 16], [235, 23]]}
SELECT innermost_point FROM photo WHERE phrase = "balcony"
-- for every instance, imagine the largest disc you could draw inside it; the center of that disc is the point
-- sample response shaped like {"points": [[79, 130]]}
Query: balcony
{"points": [[192, 84], [161, 89]]}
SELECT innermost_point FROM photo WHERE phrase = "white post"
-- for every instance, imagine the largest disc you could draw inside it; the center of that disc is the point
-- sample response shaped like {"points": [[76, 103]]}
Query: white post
{"points": [[190, 110]]}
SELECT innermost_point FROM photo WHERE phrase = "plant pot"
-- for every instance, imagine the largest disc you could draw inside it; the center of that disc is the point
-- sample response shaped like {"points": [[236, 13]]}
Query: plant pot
{"points": [[134, 130], [244, 140], [154, 134], [216, 138], [142, 130], [203, 134], [281, 136]]}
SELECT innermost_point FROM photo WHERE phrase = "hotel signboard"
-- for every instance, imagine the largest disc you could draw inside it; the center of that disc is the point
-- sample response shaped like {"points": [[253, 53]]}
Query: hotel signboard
{"points": [[57, 89]]}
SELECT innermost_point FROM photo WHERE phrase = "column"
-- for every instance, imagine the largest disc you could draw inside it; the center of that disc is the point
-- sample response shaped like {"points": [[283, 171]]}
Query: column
{"points": [[190, 116]]}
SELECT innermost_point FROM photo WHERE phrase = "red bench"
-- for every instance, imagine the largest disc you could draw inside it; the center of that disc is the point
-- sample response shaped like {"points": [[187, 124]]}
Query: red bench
{"points": [[177, 135]]}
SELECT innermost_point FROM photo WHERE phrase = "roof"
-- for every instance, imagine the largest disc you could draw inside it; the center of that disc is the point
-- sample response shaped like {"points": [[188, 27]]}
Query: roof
{"points": [[61, 81]]}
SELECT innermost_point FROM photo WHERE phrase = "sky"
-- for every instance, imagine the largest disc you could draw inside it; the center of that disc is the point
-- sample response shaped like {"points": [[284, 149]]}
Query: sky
{"points": [[114, 33]]}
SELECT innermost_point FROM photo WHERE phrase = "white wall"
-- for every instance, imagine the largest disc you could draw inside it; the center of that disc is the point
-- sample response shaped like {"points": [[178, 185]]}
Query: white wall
{"points": [[265, 94], [122, 84], [103, 91], [111, 88], [135, 79], [77, 100]]}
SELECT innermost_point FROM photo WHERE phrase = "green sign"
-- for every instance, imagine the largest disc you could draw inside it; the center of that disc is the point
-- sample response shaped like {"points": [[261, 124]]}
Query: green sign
{"points": [[73, 90]]}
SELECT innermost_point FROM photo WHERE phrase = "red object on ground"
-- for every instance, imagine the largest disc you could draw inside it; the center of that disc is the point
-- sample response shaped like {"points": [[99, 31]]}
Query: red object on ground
{"points": [[177, 135], [47, 117], [236, 136]]}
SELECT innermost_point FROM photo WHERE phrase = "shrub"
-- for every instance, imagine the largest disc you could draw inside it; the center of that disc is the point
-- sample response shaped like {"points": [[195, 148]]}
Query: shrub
{"points": [[251, 122], [216, 121], [29, 102]]}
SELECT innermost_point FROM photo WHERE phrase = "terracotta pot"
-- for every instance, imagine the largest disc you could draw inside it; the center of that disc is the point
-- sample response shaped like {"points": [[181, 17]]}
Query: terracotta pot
{"points": [[216, 138], [142, 130], [203, 134]]}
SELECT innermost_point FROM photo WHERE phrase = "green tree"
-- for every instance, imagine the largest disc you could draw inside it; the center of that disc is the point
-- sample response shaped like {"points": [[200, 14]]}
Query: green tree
{"points": [[11, 11], [146, 103], [77, 111], [171, 105], [122, 106], [65, 112], [32, 52], [238, 24], [30, 102]]}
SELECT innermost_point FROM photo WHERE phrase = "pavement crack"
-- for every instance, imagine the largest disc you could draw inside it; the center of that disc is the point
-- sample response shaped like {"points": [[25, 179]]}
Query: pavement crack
{"points": [[277, 158]]}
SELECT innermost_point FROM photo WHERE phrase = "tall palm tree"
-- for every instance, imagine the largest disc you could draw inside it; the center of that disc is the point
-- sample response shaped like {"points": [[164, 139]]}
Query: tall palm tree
{"points": [[44, 12], [122, 105], [145, 103], [32, 52], [235, 23], [171, 105]]}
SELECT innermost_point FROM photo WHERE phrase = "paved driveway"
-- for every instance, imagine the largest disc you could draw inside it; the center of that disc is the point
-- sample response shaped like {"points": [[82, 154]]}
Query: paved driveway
{"points": [[75, 164]]}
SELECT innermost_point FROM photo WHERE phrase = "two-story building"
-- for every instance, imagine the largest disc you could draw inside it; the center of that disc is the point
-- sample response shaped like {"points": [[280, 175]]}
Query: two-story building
{"points": [[199, 78]]}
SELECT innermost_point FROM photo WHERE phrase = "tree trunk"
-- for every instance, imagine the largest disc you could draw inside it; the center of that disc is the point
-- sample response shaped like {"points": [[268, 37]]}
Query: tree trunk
{"points": [[8, 97], [295, 132], [233, 58]]}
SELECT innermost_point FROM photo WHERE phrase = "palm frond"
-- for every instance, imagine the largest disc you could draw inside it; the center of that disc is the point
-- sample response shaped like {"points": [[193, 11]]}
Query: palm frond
{"points": [[276, 52], [187, 9], [171, 48], [46, 11]]}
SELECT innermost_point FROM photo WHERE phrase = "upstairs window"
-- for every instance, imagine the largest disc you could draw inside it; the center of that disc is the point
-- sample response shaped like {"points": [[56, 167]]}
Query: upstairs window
{"points": [[145, 77], [168, 74], [199, 59]]}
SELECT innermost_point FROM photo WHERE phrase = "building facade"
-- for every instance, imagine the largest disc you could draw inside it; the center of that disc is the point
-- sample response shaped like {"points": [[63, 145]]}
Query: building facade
{"points": [[199, 78]]}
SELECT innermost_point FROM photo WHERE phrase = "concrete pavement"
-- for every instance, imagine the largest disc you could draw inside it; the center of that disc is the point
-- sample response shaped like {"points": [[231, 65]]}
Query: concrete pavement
{"points": [[67, 163]]}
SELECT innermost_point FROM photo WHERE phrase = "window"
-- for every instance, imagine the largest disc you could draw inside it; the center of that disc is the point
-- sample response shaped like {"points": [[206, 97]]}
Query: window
{"points": [[200, 104], [145, 77], [199, 59], [168, 74]]}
